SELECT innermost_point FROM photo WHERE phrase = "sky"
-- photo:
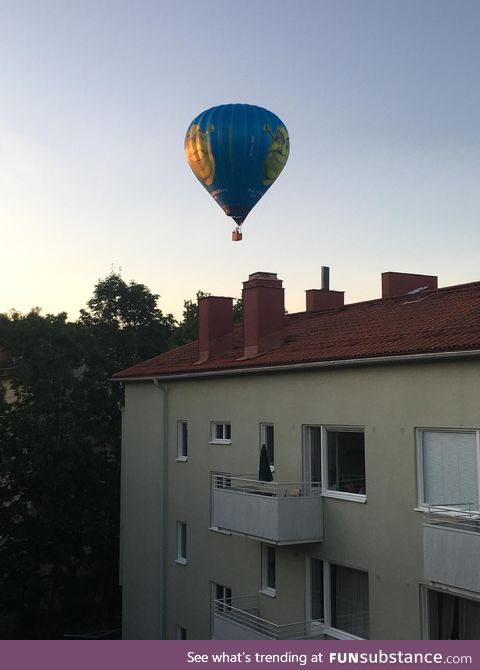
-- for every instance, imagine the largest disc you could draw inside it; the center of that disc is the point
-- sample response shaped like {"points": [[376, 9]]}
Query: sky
{"points": [[381, 99]]}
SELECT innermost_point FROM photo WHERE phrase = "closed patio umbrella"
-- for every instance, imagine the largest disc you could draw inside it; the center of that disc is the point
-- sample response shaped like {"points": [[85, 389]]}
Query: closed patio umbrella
{"points": [[264, 472]]}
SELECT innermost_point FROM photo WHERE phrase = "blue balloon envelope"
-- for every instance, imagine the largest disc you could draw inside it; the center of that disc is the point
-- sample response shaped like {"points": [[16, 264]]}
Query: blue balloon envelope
{"points": [[237, 152]]}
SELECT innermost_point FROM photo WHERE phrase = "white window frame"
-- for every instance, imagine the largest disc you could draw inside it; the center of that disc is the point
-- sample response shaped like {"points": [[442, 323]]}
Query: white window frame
{"points": [[331, 493], [266, 589], [315, 626], [422, 506], [181, 530], [327, 628], [182, 441], [263, 439], [213, 475], [226, 596], [213, 432]]}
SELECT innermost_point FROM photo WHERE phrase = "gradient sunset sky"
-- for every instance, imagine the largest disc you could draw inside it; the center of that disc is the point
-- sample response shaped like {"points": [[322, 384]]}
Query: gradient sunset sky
{"points": [[381, 99]]}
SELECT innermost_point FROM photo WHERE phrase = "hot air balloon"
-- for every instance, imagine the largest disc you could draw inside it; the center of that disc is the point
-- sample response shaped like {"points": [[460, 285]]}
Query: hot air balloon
{"points": [[237, 152]]}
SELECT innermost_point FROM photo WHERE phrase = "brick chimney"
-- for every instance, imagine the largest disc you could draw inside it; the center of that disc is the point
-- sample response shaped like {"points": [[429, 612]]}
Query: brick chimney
{"points": [[399, 283], [215, 326], [323, 298], [263, 313]]}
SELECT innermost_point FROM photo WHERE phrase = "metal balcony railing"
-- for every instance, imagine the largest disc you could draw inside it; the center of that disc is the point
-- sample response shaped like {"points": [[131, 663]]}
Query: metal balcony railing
{"points": [[244, 611], [249, 485], [457, 516], [283, 513]]}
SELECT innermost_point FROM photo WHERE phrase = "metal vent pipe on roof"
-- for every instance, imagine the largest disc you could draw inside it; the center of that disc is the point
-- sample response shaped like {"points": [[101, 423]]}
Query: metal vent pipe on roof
{"points": [[325, 278]]}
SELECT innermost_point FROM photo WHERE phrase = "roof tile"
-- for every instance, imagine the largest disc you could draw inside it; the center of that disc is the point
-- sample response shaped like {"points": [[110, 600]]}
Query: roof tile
{"points": [[440, 320]]}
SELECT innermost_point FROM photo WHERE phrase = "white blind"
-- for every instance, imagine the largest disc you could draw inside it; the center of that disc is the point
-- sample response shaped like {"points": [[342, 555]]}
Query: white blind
{"points": [[450, 468]]}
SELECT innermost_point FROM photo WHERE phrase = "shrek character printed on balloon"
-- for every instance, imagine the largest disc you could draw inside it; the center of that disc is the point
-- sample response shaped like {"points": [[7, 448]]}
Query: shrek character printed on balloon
{"points": [[277, 154], [199, 153]]}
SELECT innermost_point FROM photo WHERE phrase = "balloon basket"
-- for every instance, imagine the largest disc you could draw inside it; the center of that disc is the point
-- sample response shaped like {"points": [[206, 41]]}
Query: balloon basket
{"points": [[236, 235]]}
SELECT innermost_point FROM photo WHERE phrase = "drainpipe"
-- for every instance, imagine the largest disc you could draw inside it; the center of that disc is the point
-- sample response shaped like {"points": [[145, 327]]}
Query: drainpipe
{"points": [[121, 407], [163, 388]]}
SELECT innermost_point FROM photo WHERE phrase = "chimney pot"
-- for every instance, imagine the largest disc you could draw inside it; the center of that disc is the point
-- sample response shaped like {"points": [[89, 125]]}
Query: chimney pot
{"points": [[325, 277]]}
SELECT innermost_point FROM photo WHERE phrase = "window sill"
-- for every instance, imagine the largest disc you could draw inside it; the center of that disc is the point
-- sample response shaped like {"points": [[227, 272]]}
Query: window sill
{"points": [[181, 561], [343, 495], [220, 442], [181, 459], [222, 531], [266, 591]]}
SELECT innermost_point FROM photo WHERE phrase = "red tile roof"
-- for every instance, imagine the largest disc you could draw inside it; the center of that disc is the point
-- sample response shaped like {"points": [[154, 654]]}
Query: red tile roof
{"points": [[433, 321]]}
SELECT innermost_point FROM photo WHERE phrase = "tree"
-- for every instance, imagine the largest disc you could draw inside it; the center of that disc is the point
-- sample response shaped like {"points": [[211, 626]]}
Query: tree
{"points": [[60, 457], [58, 487], [187, 330], [126, 323], [238, 310]]}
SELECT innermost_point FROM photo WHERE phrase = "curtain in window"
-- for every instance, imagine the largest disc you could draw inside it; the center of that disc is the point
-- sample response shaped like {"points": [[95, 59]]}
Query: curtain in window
{"points": [[450, 468], [452, 617], [349, 592], [468, 619], [443, 616]]}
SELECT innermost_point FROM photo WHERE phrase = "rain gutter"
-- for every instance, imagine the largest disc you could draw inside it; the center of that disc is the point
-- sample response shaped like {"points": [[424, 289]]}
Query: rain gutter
{"points": [[163, 516], [298, 367]]}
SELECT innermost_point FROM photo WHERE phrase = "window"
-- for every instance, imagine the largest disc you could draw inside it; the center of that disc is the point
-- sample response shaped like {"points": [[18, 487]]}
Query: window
{"points": [[221, 433], [451, 617], [181, 542], [349, 600], [222, 597], [339, 596], [181, 633], [220, 480], [346, 461], [268, 570], [313, 456], [266, 438], [448, 468], [182, 441], [334, 457], [317, 597]]}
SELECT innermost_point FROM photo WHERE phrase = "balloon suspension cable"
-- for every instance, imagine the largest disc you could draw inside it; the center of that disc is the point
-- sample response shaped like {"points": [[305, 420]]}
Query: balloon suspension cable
{"points": [[237, 233]]}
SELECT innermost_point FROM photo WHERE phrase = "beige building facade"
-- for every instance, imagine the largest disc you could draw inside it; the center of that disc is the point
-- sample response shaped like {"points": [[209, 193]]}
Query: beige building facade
{"points": [[369, 528]]}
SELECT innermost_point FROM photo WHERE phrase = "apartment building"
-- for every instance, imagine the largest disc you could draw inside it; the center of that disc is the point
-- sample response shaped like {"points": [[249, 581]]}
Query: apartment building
{"points": [[370, 417]]}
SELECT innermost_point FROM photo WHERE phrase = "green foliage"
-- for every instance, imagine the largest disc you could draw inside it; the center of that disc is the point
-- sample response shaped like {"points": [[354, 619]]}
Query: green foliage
{"points": [[60, 457], [237, 310], [125, 323], [59, 491], [187, 330]]}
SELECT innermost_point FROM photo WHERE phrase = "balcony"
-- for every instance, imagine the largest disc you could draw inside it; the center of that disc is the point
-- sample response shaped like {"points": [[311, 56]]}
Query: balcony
{"points": [[451, 546], [290, 513], [240, 619]]}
